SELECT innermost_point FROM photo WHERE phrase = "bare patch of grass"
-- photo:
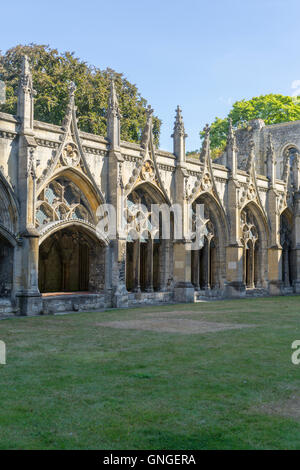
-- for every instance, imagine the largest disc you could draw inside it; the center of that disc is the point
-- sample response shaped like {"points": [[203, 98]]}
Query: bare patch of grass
{"points": [[174, 325]]}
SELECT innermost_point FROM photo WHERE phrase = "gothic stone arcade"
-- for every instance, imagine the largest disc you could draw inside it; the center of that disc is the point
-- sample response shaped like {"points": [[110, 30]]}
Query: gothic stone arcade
{"points": [[53, 179]]}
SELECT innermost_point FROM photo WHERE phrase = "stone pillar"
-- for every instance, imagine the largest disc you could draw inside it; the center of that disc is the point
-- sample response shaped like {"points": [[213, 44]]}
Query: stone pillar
{"points": [[251, 267], [117, 280], [115, 193], [164, 265], [197, 270], [206, 249], [235, 285], [286, 267], [28, 296], [183, 290], [137, 265], [149, 287], [274, 250]]}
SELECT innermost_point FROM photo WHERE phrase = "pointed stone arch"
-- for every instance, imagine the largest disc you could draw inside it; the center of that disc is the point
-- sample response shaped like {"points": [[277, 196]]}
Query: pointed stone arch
{"points": [[9, 208], [254, 236], [208, 263], [147, 252], [287, 242]]}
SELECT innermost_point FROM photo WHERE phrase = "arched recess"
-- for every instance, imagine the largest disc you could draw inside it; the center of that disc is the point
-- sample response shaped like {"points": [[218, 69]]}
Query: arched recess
{"points": [[9, 213], [290, 150], [208, 263], [148, 252], [254, 236], [286, 242], [71, 259]]}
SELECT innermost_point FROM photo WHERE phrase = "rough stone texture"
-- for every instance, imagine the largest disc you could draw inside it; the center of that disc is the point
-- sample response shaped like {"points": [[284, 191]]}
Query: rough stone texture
{"points": [[63, 303], [53, 179]]}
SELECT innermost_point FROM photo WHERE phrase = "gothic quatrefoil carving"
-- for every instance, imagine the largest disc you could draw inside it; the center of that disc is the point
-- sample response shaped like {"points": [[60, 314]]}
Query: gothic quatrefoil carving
{"points": [[70, 155]]}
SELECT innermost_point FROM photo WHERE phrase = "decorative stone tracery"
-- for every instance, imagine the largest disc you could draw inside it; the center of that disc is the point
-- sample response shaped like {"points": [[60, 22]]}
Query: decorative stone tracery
{"points": [[61, 199], [249, 240]]}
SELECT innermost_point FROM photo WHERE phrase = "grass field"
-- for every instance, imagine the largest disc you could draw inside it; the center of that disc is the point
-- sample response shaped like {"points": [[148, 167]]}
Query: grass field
{"points": [[173, 377]]}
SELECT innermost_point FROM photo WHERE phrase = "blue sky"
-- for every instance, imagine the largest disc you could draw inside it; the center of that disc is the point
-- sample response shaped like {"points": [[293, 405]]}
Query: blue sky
{"points": [[202, 55]]}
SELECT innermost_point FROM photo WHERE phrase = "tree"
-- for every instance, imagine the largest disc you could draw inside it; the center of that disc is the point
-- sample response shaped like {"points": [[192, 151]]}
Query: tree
{"points": [[52, 73], [271, 108]]}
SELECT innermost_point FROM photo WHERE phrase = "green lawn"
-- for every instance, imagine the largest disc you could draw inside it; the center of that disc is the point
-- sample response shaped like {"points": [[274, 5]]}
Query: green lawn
{"points": [[71, 383]]}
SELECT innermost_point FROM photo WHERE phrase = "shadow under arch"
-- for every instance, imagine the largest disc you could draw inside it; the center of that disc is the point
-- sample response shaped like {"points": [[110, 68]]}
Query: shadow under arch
{"points": [[147, 256], [254, 227], [209, 263], [8, 245], [288, 258], [154, 191], [72, 258]]}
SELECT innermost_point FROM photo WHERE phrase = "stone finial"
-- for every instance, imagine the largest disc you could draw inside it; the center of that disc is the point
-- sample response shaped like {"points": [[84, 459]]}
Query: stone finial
{"points": [[26, 95], [113, 104], [179, 137], [205, 150], [251, 157], [271, 161], [71, 105], [25, 66], [231, 150], [178, 124], [231, 139], [72, 88], [270, 149], [147, 129], [113, 117]]}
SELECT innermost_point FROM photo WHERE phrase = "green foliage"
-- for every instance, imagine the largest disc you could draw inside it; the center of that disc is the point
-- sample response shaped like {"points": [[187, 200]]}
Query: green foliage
{"points": [[51, 74], [271, 108]]}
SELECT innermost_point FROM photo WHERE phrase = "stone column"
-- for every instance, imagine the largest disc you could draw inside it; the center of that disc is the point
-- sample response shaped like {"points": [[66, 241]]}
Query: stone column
{"points": [[149, 273], [137, 265], [285, 259], [251, 267], [197, 270], [235, 285], [164, 264], [183, 290], [207, 264], [28, 296], [117, 268]]}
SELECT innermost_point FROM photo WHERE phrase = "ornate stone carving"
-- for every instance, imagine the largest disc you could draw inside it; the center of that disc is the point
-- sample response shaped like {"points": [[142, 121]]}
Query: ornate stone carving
{"points": [[70, 154], [248, 227], [147, 171]]}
